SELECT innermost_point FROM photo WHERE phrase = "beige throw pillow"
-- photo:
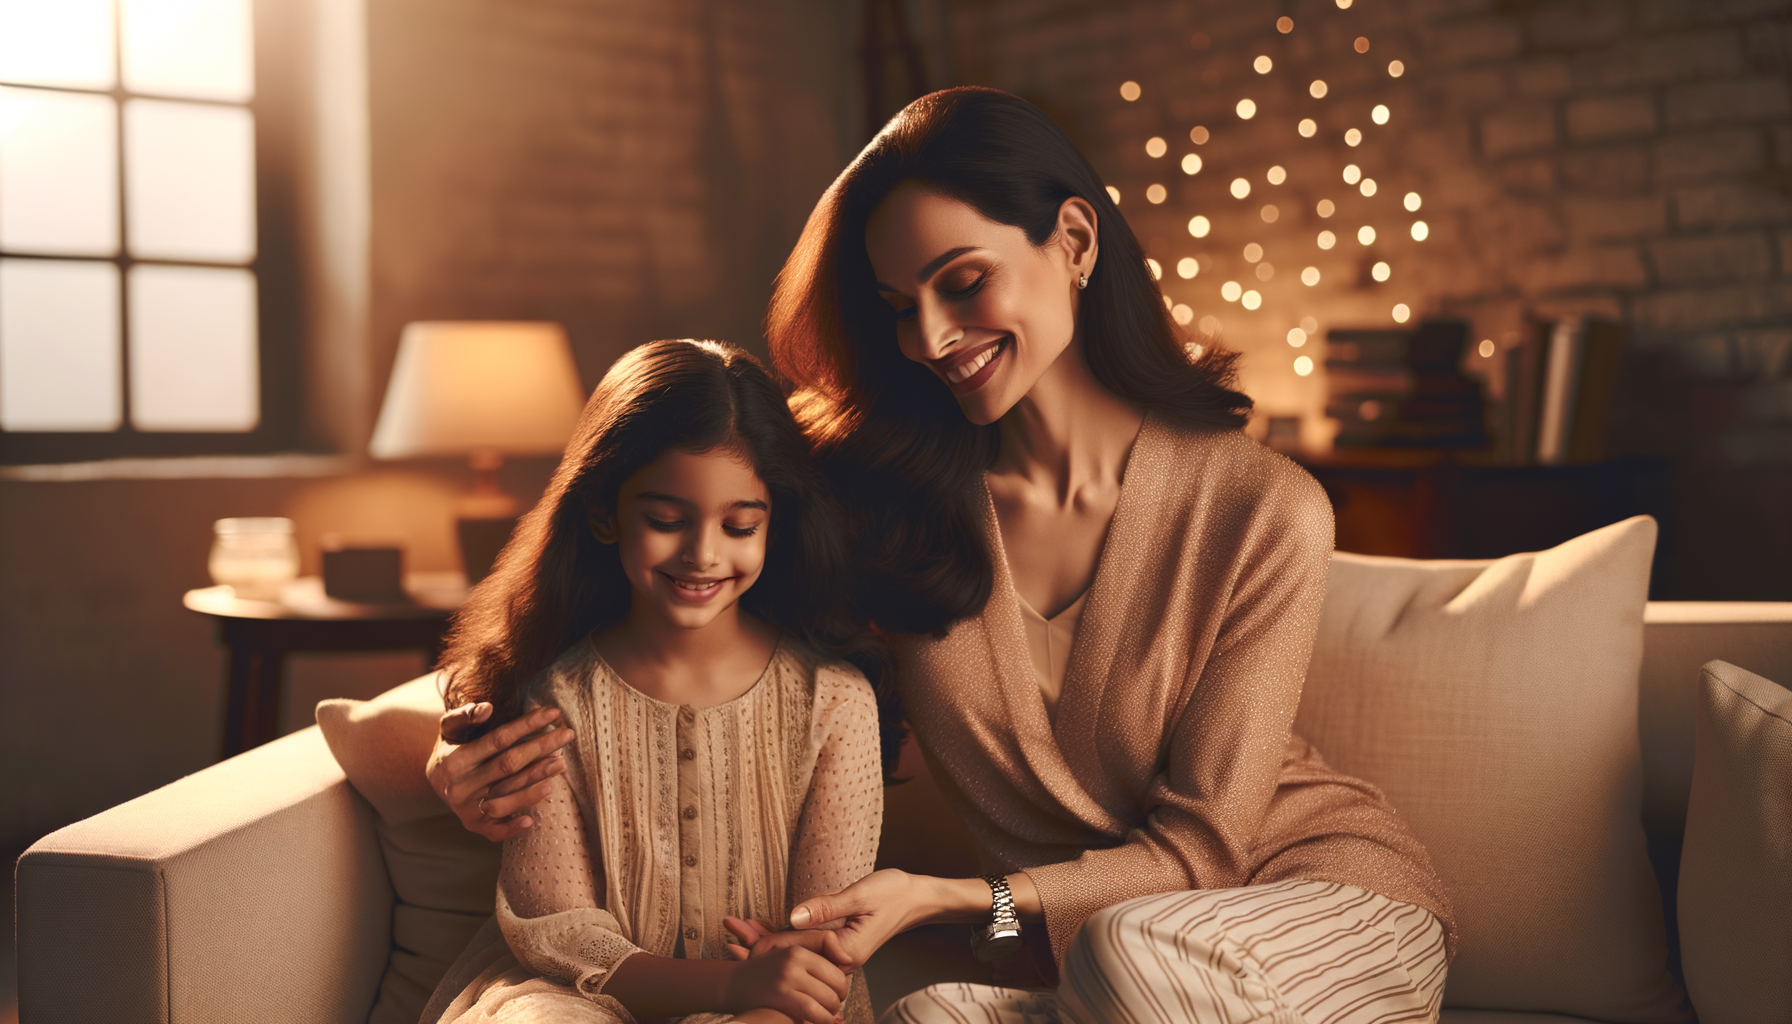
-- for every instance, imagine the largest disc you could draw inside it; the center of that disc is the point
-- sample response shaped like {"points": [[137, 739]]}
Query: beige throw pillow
{"points": [[1495, 703], [444, 877], [1736, 864]]}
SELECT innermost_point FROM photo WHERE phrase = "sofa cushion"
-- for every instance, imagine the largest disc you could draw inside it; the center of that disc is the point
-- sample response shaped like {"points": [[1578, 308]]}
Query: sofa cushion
{"points": [[444, 877], [1736, 865], [1495, 703]]}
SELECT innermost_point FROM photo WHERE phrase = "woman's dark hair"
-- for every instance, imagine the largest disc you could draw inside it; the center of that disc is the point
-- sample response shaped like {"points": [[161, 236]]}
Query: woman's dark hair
{"points": [[555, 583], [901, 455]]}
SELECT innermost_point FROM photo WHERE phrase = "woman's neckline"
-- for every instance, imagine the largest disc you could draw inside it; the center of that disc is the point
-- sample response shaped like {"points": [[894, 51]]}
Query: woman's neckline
{"points": [[764, 673]]}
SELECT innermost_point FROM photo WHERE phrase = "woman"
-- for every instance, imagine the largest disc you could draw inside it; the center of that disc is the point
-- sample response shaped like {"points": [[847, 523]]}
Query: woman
{"points": [[1101, 597]]}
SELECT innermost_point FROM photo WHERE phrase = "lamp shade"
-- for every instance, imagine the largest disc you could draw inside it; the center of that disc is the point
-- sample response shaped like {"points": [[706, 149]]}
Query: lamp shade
{"points": [[460, 387]]}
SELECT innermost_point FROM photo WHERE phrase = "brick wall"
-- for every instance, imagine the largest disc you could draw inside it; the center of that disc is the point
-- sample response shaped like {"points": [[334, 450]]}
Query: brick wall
{"points": [[1627, 159]]}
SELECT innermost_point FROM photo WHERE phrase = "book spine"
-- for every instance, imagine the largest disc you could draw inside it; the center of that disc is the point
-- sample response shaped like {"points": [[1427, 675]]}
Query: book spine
{"points": [[1560, 371]]}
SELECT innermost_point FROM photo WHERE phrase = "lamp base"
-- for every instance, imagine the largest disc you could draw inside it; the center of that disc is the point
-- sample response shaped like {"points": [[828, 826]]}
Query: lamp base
{"points": [[480, 541]]}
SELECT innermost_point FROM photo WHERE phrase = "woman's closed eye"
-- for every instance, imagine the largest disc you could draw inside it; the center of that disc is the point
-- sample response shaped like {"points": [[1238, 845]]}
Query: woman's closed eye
{"points": [[664, 525]]}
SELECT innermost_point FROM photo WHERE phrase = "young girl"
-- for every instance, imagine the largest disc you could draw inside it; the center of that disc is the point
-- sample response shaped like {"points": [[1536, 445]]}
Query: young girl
{"points": [[666, 598]]}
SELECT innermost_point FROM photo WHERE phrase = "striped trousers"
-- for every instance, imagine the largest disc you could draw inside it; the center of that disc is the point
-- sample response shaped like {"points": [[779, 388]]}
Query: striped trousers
{"points": [[1293, 953]]}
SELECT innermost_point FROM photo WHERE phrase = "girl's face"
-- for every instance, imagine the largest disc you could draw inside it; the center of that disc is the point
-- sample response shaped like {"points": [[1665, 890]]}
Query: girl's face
{"points": [[976, 302], [691, 530]]}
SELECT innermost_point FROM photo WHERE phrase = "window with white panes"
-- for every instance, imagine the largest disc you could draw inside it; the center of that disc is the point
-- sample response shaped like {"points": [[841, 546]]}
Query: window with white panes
{"points": [[129, 280]]}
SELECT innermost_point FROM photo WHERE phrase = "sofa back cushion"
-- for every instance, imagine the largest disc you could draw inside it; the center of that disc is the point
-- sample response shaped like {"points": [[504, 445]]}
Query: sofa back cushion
{"points": [[1736, 866], [444, 877], [1495, 703]]}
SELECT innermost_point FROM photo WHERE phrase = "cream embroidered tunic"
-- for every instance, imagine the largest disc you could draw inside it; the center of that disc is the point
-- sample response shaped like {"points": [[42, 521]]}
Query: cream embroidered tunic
{"points": [[669, 819], [1170, 763]]}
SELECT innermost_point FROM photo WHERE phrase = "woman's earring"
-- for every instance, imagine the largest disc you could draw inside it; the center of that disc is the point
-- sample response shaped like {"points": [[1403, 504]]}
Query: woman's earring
{"points": [[1082, 282]]}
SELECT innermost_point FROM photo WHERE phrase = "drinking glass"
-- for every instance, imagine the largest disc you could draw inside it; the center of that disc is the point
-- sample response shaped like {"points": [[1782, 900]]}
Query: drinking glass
{"points": [[254, 555]]}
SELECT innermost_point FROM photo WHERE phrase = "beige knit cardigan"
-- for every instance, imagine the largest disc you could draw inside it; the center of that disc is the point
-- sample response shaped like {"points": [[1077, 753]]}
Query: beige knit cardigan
{"points": [[1171, 764]]}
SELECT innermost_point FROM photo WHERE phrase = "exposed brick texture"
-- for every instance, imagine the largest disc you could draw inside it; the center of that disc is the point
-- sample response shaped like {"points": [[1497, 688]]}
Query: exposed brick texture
{"points": [[1631, 158]]}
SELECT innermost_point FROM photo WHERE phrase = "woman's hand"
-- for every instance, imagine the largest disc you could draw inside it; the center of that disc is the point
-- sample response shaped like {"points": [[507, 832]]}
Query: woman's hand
{"points": [[866, 914], [792, 980], [489, 781]]}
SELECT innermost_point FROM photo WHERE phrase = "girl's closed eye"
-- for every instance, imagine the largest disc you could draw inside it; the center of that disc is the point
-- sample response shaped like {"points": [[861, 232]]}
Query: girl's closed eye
{"points": [[746, 529]]}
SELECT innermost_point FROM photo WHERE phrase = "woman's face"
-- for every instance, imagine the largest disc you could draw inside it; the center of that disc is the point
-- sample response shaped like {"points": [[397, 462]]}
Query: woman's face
{"points": [[691, 530], [976, 302]]}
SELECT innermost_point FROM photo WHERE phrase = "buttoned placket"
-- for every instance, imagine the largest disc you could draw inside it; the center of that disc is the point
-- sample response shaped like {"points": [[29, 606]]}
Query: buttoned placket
{"points": [[693, 929]]}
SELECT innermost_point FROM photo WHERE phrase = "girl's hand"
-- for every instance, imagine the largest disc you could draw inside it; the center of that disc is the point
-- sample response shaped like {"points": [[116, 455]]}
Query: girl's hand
{"points": [[757, 938], [866, 914], [794, 981], [489, 781]]}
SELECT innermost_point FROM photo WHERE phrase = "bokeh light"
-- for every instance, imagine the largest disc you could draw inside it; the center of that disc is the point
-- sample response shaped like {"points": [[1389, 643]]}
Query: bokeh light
{"points": [[1284, 24], [1380, 114], [1297, 337], [1412, 201], [1155, 194], [1362, 44], [1396, 69], [1156, 147], [1240, 188], [1247, 108], [1157, 269], [1182, 314], [1366, 188], [1265, 271], [1352, 174], [1191, 164], [1114, 194], [1269, 213], [1308, 128], [1187, 267], [1310, 277], [1317, 89], [1231, 290], [1420, 231], [1253, 252], [1327, 239], [1381, 271], [1263, 64], [1369, 411], [1250, 299], [1303, 365], [1365, 235], [1197, 135], [1353, 137], [1401, 313], [1277, 175], [1343, 5], [1486, 348], [1210, 326], [1198, 226], [1310, 325], [1326, 208], [1129, 91]]}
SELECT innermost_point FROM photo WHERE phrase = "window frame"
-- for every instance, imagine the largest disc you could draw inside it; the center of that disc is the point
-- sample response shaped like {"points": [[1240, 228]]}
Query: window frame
{"points": [[275, 109]]}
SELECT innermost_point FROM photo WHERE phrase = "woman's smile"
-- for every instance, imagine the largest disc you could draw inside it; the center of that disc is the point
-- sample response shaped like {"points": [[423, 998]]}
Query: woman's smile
{"points": [[695, 591], [968, 371]]}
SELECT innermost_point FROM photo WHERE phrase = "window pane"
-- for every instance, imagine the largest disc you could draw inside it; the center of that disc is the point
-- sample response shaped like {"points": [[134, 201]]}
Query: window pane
{"points": [[58, 345], [189, 181], [193, 349], [64, 42], [199, 48], [58, 173]]}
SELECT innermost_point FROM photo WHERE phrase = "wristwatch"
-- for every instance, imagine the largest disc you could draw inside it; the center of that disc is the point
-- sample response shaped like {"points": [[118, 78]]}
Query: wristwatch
{"points": [[1001, 937]]}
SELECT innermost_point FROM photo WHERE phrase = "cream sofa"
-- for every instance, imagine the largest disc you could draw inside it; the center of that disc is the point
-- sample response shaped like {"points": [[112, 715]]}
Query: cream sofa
{"points": [[257, 890]]}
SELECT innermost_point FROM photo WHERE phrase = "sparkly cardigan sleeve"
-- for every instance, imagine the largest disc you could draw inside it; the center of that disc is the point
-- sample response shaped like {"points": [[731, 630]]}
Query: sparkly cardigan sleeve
{"points": [[1208, 804], [836, 840], [548, 907]]}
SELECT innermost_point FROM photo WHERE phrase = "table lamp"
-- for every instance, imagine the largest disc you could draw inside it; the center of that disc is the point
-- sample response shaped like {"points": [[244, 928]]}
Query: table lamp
{"points": [[483, 389]]}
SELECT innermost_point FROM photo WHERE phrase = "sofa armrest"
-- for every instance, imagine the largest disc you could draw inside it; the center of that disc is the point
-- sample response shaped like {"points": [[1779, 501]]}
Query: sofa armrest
{"points": [[251, 891]]}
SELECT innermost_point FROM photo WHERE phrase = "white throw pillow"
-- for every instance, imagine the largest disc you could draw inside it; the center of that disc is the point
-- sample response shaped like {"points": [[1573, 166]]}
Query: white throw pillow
{"points": [[1495, 703]]}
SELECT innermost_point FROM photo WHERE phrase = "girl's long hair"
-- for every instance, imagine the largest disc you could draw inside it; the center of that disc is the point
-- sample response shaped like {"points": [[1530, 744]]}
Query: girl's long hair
{"points": [[903, 459], [555, 582]]}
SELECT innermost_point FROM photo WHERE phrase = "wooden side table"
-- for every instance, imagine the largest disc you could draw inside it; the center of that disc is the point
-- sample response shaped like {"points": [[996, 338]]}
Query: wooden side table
{"points": [[260, 634]]}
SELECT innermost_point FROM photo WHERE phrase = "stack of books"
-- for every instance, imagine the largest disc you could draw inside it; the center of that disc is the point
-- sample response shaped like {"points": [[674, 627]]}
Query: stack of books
{"points": [[1403, 388], [1559, 392]]}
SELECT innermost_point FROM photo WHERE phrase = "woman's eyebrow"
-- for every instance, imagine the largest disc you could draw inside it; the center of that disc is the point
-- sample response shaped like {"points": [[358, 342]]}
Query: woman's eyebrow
{"points": [[941, 260], [736, 506], [662, 496]]}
